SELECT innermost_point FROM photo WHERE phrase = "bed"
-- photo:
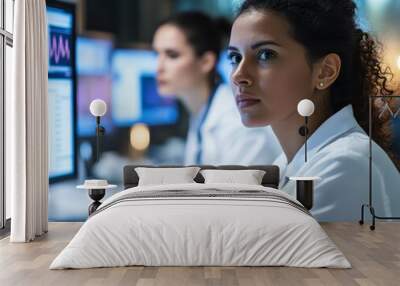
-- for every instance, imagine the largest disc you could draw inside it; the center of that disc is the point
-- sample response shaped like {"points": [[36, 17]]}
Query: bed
{"points": [[201, 224]]}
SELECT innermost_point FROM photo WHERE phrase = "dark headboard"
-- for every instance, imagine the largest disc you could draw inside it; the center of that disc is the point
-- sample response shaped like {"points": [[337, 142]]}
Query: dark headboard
{"points": [[270, 179]]}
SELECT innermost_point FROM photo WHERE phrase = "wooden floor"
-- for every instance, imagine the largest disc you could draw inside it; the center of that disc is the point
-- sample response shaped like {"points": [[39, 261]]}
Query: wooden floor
{"points": [[375, 257]]}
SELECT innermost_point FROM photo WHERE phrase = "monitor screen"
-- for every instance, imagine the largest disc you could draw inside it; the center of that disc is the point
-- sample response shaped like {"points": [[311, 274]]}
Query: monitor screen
{"points": [[93, 56], [61, 91], [93, 62], [224, 67], [134, 90]]}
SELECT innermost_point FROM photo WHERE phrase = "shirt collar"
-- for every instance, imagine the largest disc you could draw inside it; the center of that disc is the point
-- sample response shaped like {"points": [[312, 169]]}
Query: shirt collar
{"points": [[337, 125]]}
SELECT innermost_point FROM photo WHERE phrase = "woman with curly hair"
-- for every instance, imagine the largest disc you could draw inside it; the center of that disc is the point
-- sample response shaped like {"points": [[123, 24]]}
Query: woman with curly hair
{"points": [[188, 45], [283, 51]]}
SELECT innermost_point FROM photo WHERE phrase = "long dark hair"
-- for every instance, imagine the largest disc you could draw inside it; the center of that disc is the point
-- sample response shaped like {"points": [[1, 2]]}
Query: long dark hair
{"points": [[203, 33], [329, 26]]}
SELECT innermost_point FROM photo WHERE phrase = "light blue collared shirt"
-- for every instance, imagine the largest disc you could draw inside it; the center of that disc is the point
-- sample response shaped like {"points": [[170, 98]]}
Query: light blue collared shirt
{"points": [[338, 152]]}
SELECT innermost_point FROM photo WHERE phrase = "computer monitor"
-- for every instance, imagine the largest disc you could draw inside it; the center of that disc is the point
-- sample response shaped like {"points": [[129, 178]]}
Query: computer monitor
{"points": [[134, 90], [61, 90], [93, 62], [93, 56], [224, 67]]}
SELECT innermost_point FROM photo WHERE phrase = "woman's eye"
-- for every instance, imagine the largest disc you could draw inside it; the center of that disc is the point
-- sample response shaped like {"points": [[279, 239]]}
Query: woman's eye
{"points": [[266, 55], [234, 58], [172, 54]]}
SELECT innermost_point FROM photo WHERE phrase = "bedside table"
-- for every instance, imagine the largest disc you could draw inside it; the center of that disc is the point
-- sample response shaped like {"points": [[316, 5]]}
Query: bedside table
{"points": [[96, 190], [305, 190]]}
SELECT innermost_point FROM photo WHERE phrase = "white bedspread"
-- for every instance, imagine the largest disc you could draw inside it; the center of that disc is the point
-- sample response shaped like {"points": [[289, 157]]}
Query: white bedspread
{"points": [[200, 231]]}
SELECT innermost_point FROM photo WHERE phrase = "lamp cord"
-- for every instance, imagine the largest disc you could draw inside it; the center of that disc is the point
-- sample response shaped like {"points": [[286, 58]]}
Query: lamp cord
{"points": [[306, 133]]}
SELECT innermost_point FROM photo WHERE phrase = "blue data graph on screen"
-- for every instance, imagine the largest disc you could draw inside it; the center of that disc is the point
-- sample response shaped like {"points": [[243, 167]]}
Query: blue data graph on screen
{"points": [[60, 47], [61, 91], [60, 23]]}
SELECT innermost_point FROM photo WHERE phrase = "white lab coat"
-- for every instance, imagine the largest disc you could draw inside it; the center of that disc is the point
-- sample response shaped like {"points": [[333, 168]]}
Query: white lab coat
{"points": [[338, 152], [225, 140]]}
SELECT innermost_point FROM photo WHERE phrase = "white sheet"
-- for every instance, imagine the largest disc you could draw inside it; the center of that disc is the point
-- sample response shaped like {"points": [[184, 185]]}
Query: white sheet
{"points": [[200, 231]]}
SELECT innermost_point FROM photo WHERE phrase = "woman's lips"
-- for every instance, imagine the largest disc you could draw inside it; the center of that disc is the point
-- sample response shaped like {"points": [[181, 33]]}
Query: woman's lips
{"points": [[244, 101], [161, 82]]}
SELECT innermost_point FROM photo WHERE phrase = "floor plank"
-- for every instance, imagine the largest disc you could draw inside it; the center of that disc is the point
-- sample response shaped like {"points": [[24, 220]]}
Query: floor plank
{"points": [[375, 257]]}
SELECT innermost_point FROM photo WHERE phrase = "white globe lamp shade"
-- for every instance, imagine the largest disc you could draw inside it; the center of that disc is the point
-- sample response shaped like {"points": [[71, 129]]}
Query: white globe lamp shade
{"points": [[305, 107], [98, 107]]}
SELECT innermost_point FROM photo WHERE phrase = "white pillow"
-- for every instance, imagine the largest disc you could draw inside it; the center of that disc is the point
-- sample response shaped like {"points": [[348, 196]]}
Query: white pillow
{"points": [[165, 176], [248, 177]]}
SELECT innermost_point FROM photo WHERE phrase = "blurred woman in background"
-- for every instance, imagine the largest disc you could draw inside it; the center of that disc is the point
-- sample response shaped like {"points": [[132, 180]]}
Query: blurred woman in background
{"points": [[188, 47], [285, 51]]}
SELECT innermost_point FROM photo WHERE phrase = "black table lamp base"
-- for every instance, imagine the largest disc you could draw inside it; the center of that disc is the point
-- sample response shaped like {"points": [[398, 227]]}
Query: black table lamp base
{"points": [[304, 193], [96, 195]]}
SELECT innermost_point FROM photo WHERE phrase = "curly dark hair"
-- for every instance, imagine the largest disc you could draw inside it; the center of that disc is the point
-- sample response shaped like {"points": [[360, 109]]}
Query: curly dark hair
{"points": [[329, 26]]}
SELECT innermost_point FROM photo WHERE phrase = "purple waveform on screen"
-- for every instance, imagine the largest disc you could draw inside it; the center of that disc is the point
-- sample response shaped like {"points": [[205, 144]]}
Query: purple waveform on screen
{"points": [[59, 50]]}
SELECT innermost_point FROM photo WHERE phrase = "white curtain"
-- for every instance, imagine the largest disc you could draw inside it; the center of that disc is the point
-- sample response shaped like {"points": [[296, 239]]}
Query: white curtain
{"points": [[26, 117]]}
